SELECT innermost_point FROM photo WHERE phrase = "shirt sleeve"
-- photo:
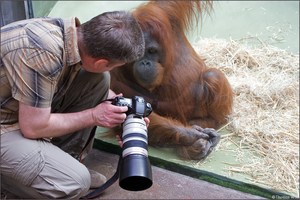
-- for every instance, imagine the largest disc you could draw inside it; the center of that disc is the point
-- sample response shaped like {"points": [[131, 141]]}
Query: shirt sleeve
{"points": [[33, 75]]}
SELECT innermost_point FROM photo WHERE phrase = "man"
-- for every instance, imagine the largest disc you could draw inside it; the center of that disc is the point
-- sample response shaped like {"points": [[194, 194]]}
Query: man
{"points": [[53, 80]]}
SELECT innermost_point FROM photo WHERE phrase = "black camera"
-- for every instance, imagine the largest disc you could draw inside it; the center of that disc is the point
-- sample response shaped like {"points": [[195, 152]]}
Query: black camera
{"points": [[136, 105], [135, 168]]}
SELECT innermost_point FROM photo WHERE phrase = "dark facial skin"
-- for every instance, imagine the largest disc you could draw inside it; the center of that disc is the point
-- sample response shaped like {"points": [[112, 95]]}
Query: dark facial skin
{"points": [[148, 71]]}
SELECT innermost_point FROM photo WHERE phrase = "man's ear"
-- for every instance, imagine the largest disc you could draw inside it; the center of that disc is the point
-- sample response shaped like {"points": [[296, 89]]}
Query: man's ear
{"points": [[101, 63]]}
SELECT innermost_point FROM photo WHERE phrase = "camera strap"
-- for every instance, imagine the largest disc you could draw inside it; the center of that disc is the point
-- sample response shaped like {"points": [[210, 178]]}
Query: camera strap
{"points": [[108, 183], [103, 187]]}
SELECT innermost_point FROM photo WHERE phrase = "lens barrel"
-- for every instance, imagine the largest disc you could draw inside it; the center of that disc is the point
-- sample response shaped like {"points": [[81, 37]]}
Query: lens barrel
{"points": [[135, 168]]}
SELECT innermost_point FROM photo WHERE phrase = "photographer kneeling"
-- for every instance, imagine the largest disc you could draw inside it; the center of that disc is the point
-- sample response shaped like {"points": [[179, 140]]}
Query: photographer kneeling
{"points": [[53, 78]]}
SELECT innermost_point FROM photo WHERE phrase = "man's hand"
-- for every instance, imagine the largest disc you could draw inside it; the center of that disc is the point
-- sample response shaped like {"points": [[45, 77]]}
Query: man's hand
{"points": [[108, 115]]}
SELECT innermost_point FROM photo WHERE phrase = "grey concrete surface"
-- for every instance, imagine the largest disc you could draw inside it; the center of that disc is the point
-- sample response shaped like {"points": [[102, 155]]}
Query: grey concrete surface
{"points": [[166, 184]]}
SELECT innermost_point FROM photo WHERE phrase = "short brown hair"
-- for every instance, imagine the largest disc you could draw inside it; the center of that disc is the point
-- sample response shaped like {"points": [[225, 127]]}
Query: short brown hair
{"points": [[113, 36]]}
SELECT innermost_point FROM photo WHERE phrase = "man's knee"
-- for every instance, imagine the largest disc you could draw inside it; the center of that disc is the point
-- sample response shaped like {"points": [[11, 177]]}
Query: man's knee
{"points": [[76, 187], [63, 181], [82, 186]]}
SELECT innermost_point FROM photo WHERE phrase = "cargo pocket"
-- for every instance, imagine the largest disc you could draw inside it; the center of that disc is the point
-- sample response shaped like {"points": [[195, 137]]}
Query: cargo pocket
{"points": [[29, 167]]}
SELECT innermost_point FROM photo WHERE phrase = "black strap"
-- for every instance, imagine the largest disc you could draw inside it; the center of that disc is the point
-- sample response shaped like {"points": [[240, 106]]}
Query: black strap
{"points": [[103, 187], [88, 142], [108, 183]]}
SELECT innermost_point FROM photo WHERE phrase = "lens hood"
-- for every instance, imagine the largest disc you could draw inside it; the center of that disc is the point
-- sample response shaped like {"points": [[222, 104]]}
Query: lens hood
{"points": [[135, 173]]}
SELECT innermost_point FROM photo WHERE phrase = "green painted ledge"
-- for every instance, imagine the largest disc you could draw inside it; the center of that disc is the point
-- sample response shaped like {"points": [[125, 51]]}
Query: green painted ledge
{"points": [[112, 147]]}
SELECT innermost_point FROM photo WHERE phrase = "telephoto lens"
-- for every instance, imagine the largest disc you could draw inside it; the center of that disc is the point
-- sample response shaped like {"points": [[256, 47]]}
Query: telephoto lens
{"points": [[135, 168]]}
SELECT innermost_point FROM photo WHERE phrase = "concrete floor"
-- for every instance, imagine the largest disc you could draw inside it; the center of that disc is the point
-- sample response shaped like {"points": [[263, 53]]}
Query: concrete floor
{"points": [[166, 184]]}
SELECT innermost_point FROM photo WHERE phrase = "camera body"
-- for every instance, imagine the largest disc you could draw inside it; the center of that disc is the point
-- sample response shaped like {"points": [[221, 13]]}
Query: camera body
{"points": [[135, 168], [136, 105]]}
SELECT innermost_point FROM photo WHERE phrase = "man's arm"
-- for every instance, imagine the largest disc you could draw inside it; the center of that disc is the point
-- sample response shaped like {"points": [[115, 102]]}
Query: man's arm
{"points": [[40, 122]]}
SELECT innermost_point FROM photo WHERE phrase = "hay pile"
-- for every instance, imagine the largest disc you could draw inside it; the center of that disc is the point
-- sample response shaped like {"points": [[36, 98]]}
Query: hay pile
{"points": [[265, 81]]}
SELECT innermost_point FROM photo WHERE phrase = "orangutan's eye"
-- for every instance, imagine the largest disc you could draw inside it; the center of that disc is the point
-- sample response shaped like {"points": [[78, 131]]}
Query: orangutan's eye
{"points": [[152, 50]]}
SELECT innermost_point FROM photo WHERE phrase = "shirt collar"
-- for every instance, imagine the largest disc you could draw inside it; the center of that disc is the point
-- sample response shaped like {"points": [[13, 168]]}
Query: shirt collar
{"points": [[71, 47]]}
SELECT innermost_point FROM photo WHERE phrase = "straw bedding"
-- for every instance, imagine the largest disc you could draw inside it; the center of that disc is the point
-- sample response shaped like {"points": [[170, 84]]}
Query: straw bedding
{"points": [[265, 119]]}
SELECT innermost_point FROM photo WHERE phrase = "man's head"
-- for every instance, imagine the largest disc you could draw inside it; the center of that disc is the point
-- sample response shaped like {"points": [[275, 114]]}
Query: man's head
{"points": [[112, 36]]}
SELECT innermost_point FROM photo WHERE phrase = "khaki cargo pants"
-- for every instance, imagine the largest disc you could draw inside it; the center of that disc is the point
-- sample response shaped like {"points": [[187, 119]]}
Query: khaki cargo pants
{"points": [[42, 169]]}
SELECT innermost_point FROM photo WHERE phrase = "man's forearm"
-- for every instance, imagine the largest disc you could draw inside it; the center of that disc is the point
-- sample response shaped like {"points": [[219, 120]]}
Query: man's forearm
{"points": [[40, 123], [62, 123]]}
